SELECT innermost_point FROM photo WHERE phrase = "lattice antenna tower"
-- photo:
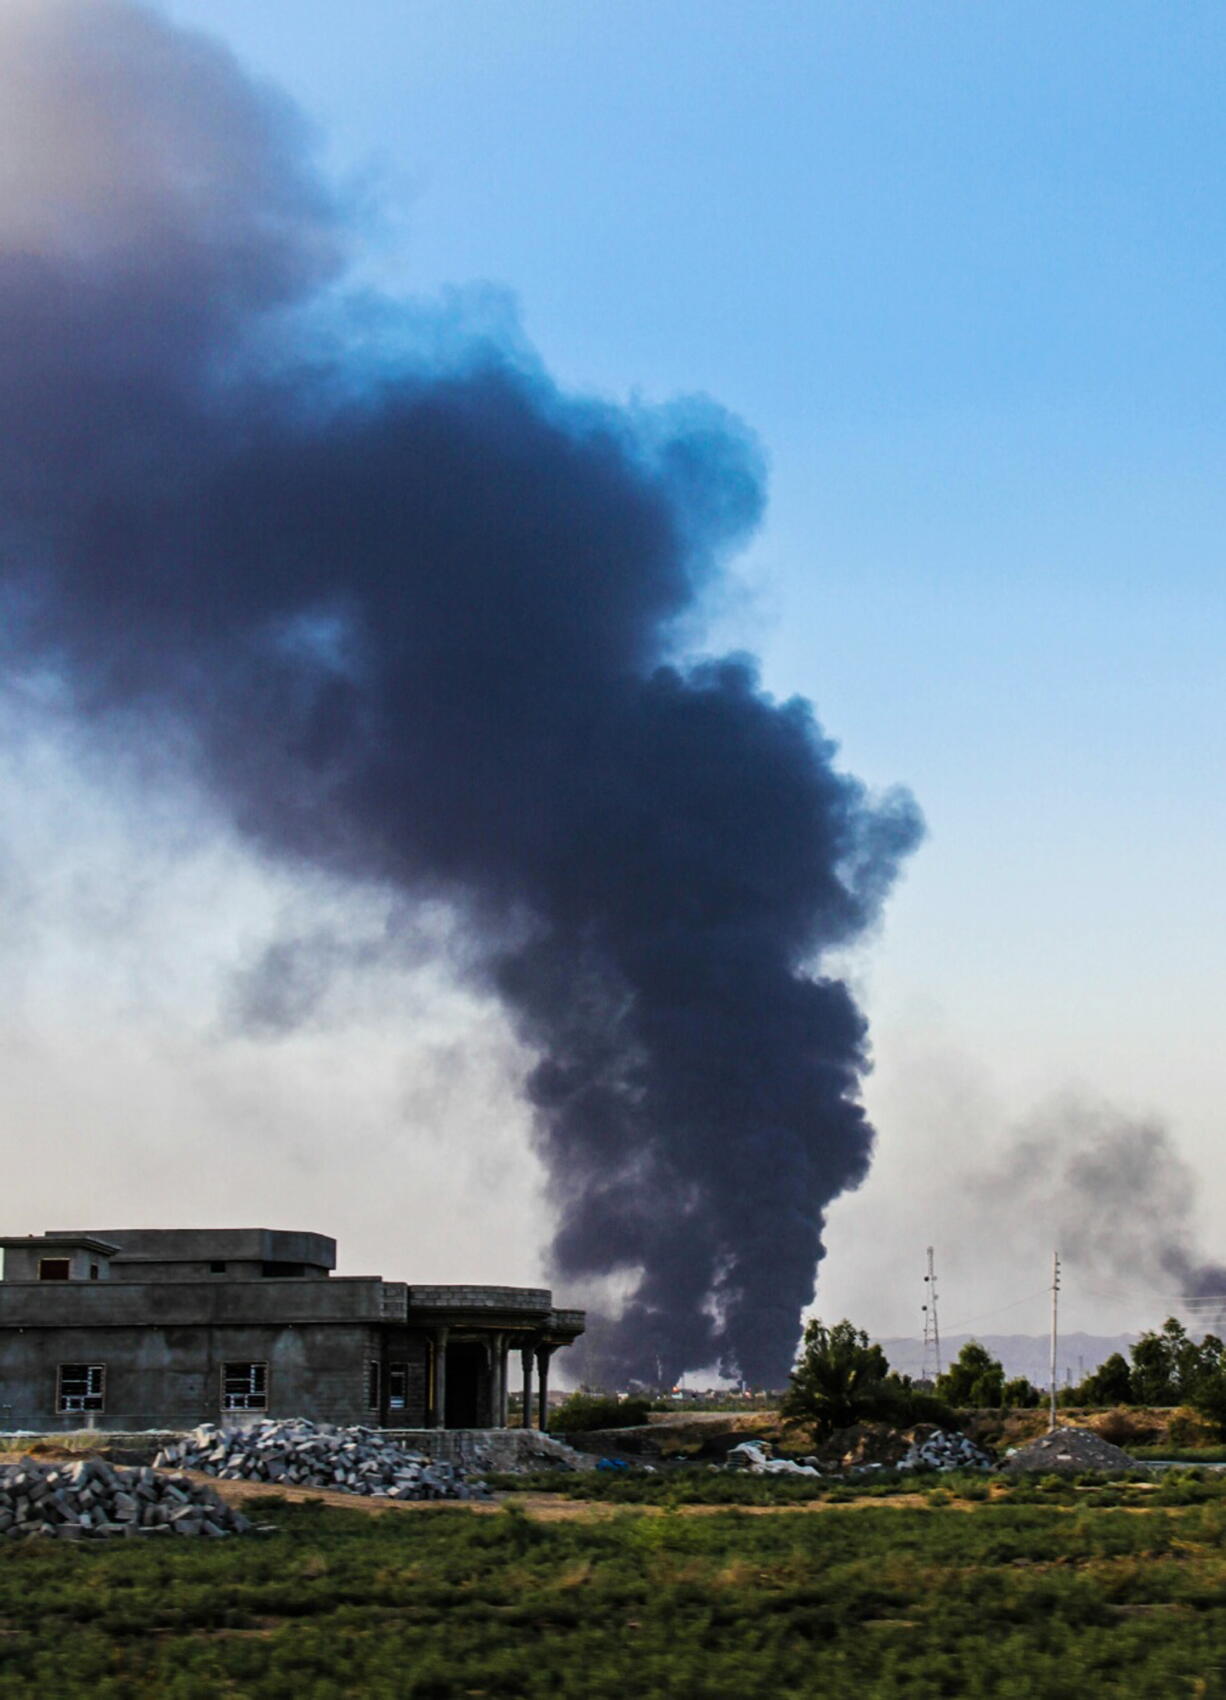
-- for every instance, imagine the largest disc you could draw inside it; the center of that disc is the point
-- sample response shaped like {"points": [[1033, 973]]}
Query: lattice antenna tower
{"points": [[932, 1326]]}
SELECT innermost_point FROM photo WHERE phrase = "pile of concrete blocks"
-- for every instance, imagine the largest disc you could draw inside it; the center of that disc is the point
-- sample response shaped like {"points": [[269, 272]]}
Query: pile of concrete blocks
{"points": [[516, 1451], [298, 1453], [96, 1500], [944, 1449]]}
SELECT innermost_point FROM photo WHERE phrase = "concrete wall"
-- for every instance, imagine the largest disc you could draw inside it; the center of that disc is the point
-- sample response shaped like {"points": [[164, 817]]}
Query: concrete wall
{"points": [[478, 1300], [170, 1376], [21, 1262], [145, 1269], [115, 1303], [201, 1246]]}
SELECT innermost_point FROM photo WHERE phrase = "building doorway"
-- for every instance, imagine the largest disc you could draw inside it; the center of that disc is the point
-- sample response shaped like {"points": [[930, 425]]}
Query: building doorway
{"points": [[467, 1402]]}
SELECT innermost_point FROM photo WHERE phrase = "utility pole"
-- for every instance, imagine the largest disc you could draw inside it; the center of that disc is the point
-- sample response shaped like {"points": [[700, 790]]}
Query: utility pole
{"points": [[1055, 1303], [932, 1327]]}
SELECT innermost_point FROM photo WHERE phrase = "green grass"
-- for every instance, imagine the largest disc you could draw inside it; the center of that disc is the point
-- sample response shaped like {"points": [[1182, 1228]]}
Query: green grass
{"points": [[701, 1485], [1181, 1454], [1025, 1601]]}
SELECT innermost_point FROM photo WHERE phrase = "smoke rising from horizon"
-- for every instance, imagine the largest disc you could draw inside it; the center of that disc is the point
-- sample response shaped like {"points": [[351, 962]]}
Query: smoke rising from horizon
{"points": [[420, 622], [1117, 1196]]}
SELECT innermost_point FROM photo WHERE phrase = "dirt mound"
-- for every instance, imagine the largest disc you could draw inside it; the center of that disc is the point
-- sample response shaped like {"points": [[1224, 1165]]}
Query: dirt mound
{"points": [[706, 1435], [863, 1444], [1067, 1452]]}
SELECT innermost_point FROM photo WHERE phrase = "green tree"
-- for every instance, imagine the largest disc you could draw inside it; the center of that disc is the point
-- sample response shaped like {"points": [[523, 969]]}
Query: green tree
{"points": [[974, 1378], [1020, 1394], [1166, 1366], [839, 1379], [1208, 1392], [1109, 1384], [1170, 1368]]}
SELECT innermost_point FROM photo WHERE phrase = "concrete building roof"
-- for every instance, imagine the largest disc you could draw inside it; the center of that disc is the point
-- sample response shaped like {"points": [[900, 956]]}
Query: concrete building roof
{"points": [[58, 1242]]}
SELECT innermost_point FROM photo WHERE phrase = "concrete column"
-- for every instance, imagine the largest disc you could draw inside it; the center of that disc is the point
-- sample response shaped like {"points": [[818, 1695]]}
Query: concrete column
{"points": [[495, 1358], [526, 1355], [543, 1355], [504, 1354], [437, 1417]]}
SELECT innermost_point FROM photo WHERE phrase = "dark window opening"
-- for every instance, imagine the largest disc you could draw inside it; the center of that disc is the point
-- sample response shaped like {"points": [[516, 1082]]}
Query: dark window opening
{"points": [[217, 1268], [373, 1379], [93, 1271], [244, 1387], [54, 1268], [283, 1269], [397, 1387], [467, 1394], [80, 1387]]}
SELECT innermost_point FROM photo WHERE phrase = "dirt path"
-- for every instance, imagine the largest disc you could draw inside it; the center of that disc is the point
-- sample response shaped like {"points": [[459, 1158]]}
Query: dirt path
{"points": [[543, 1507]]}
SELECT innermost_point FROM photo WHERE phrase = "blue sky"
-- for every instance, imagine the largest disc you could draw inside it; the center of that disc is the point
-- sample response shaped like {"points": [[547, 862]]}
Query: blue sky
{"points": [[960, 266]]}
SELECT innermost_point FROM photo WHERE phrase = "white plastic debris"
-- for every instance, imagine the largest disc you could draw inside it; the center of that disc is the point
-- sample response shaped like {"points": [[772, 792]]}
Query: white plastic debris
{"points": [[753, 1457]]}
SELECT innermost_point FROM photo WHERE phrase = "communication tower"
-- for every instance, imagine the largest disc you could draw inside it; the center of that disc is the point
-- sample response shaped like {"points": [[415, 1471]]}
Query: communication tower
{"points": [[932, 1327]]}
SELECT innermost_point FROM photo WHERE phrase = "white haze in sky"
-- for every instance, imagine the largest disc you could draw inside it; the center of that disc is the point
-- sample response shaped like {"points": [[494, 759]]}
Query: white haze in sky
{"points": [[389, 1117]]}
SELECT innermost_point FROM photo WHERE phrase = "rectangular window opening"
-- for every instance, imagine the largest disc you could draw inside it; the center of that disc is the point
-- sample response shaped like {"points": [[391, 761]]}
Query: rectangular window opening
{"points": [[244, 1387], [217, 1268], [54, 1268], [283, 1271], [80, 1387], [373, 1379], [397, 1387]]}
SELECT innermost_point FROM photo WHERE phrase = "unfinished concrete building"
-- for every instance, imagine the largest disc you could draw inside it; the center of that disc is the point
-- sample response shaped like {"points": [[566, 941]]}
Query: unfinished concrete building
{"points": [[157, 1328]]}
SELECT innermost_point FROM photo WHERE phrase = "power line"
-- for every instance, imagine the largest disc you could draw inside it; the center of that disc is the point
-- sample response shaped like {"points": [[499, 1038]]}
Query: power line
{"points": [[1000, 1310], [1178, 1301], [965, 1322]]}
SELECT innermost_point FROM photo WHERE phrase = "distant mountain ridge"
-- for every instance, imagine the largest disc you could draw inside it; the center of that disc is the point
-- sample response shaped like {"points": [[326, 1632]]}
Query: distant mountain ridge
{"points": [[1021, 1354]]}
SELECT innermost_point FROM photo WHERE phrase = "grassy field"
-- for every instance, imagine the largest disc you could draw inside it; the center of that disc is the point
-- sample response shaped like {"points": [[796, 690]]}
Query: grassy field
{"points": [[1050, 1590], [1185, 1454]]}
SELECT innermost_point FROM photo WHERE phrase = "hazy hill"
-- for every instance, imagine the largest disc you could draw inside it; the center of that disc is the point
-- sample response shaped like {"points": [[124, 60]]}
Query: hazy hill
{"points": [[1021, 1354]]}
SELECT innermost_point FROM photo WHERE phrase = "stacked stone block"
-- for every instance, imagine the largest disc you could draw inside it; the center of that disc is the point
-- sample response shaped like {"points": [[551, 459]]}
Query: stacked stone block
{"points": [[95, 1500], [302, 1454]]}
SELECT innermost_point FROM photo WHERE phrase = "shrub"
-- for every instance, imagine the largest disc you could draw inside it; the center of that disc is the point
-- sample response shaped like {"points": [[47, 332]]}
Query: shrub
{"points": [[583, 1412], [1121, 1426], [1187, 1427]]}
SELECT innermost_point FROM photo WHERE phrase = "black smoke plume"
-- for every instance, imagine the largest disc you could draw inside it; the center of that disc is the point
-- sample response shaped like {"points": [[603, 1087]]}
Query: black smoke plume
{"points": [[419, 621]]}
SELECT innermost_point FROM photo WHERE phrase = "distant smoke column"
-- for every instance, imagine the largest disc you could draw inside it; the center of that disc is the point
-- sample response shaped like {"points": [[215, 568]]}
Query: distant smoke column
{"points": [[416, 621], [699, 1101]]}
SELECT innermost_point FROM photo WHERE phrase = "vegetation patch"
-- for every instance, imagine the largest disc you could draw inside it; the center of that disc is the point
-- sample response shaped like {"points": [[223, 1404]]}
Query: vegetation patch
{"points": [[583, 1413], [1010, 1598]]}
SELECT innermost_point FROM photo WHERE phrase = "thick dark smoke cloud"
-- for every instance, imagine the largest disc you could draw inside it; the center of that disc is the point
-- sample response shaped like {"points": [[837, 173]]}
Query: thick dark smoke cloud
{"points": [[421, 624]]}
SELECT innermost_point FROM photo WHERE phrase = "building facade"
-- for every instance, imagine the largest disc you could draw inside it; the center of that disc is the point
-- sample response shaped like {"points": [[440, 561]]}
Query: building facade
{"points": [[157, 1328]]}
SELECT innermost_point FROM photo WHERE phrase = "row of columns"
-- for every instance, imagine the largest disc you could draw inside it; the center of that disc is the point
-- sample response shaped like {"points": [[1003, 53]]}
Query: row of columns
{"points": [[542, 1354], [498, 1349]]}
